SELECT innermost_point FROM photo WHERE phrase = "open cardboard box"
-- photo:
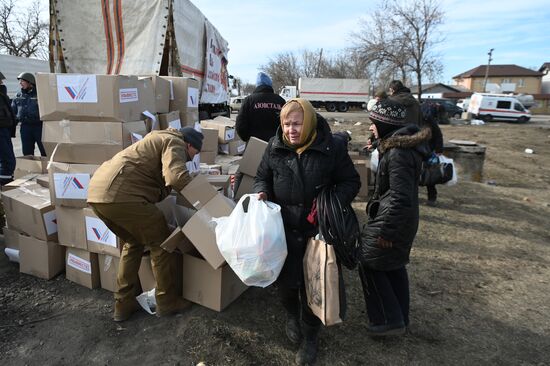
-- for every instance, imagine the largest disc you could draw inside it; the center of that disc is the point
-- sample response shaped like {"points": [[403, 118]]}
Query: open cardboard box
{"points": [[29, 210]]}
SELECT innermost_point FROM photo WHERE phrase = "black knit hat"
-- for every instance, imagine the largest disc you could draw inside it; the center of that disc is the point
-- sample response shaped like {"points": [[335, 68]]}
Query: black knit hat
{"points": [[388, 111], [193, 137]]}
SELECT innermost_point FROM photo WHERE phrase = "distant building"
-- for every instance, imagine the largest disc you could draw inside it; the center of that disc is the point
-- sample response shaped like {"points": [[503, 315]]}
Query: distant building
{"points": [[517, 79], [545, 70], [436, 90]]}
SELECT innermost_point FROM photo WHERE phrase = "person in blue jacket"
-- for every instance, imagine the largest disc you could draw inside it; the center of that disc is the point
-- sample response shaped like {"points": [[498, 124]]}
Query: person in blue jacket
{"points": [[25, 109]]}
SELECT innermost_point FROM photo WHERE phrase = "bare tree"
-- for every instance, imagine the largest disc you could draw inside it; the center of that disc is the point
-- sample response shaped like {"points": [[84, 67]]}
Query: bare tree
{"points": [[22, 32], [284, 70], [402, 35]]}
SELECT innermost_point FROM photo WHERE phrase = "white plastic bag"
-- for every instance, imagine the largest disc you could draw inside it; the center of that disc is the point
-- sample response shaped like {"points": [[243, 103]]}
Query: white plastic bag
{"points": [[253, 242], [374, 160], [148, 301], [454, 179]]}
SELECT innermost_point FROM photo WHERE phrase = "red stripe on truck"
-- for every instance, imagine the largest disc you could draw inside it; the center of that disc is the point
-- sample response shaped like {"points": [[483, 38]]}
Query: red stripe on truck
{"points": [[190, 70], [500, 111]]}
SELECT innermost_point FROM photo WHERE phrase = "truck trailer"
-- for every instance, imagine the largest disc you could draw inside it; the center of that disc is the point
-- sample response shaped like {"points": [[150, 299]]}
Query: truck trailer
{"points": [[141, 37], [331, 94]]}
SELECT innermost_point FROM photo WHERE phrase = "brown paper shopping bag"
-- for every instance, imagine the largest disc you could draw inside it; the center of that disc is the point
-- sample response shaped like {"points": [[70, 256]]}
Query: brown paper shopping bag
{"points": [[323, 282]]}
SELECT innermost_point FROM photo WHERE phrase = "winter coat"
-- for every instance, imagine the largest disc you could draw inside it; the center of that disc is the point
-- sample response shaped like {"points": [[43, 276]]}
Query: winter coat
{"points": [[293, 182], [393, 209], [143, 172], [7, 119], [25, 107], [403, 96], [259, 114]]}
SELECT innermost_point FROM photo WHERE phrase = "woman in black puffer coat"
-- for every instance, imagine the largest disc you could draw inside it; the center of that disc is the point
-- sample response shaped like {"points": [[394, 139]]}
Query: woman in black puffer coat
{"points": [[301, 158], [393, 217]]}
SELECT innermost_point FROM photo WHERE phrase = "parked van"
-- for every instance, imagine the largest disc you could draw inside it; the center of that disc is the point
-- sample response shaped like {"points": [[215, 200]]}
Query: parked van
{"points": [[489, 107]]}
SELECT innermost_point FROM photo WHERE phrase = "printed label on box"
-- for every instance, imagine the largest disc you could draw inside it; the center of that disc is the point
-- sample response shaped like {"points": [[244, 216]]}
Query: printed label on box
{"points": [[128, 95], [79, 264], [76, 88], [240, 148], [229, 134], [51, 222], [175, 124], [71, 186], [97, 231], [192, 97]]}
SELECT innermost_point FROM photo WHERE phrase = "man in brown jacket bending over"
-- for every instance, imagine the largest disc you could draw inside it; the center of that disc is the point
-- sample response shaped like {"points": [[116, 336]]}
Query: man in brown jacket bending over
{"points": [[123, 193]]}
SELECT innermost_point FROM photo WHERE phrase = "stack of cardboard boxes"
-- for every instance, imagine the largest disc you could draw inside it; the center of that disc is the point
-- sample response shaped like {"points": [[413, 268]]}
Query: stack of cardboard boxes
{"points": [[228, 141], [249, 164], [87, 120]]}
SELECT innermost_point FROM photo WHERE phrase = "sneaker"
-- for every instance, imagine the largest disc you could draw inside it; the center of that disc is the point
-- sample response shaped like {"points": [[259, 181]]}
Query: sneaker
{"points": [[176, 307], [384, 330], [125, 309]]}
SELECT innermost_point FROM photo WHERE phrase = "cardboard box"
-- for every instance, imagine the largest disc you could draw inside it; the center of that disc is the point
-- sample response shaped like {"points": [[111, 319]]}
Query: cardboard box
{"points": [[71, 227], [98, 237], [24, 181], [221, 182], [82, 268], [43, 180], [210, 141], [252, 156], [170, 119], [234, 148], [176, 240], [88, 142], [246, 186], [226, 129], [88, 97], [161, 87], [39, 258], [11, 238], [29, 210], [25, 165], [362, 167], [208, 157], [200, 231], [108, 269], [189, 117], [209, 287], [69, 183], [184, 92], [147, 277], [197, 193]]}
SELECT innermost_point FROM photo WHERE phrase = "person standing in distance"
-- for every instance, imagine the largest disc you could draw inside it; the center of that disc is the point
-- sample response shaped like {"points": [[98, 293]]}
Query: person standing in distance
{"points": [[402, 95], [7, 126], [259, 113], [25, 109]]}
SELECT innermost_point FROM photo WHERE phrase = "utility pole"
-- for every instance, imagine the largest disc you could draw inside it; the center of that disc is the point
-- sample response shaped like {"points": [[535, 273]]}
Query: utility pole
{"points": [[487, 70]]}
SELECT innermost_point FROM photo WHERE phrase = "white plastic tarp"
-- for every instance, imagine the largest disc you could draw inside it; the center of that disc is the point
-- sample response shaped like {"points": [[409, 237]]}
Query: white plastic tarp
{"points": [[112, 37]]}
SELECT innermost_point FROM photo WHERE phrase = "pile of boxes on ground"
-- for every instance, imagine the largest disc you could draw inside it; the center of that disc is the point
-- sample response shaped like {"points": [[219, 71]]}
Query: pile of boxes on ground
{"points": [[87, 120]]}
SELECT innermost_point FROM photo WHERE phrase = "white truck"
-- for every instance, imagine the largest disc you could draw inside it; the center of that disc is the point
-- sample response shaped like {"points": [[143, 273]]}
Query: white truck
{"points": [[141, 37], [12, 66], [331, 94], [489, 107]]}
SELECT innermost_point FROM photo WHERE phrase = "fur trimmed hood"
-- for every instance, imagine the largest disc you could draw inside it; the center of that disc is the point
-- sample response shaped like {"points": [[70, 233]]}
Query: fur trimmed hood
{"points": [[408, 137]]}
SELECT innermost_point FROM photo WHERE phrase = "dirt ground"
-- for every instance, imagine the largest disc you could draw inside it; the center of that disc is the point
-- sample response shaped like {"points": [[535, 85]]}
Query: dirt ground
{"points": [[479, 272]]}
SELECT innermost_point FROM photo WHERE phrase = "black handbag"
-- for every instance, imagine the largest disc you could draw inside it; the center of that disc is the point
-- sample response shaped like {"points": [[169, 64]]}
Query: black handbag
{"points": [[433, 174]]}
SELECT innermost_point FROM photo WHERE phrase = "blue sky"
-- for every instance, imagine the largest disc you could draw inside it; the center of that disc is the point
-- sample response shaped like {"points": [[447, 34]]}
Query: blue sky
{"points": [[261, 29]]}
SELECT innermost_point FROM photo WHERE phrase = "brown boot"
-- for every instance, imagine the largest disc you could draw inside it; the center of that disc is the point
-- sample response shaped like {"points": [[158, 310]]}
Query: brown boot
{"points": [[125, 309], [179, 305]]}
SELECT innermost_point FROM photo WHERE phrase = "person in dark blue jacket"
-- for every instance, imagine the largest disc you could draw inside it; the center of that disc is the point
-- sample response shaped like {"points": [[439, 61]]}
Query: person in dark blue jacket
{"points": [[7, 124], [25, 109], [393, 217]]}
